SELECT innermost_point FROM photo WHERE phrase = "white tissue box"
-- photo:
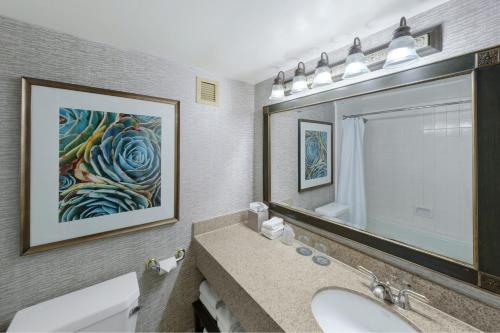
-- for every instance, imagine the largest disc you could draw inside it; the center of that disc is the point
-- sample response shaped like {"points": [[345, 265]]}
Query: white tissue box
{"points": [[255, 219]]}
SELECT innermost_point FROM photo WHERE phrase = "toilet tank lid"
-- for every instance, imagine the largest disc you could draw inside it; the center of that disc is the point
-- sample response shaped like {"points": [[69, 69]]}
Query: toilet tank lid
{"points": [[333, 209], [79, 309]]}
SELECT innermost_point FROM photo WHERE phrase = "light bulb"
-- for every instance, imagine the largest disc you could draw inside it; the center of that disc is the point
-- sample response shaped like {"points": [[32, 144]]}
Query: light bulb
{"points": [[299, 80], [323, 73], [403, 48], [356, 61], [278, 89]]}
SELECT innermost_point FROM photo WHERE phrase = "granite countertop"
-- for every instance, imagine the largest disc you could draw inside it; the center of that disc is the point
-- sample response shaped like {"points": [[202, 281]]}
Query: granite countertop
{"points": [[283, 283]]}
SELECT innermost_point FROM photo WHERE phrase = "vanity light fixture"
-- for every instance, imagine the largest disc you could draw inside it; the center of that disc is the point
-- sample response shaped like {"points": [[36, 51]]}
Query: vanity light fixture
{"points": [[323, 72], [278, 89], [356, 61], [402, 48], [299, 80]]}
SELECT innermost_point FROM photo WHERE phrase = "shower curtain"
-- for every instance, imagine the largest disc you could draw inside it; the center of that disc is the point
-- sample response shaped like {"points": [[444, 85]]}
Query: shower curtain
{"points": [[351, 179]]}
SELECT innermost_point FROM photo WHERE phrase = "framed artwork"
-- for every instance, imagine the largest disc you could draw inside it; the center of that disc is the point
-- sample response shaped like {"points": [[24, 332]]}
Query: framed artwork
{"points": [[95, 163], [315, 154]]}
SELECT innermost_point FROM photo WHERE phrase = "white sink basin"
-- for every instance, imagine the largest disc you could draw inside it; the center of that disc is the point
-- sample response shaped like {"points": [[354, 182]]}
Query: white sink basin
{"points": [[341, 310]]}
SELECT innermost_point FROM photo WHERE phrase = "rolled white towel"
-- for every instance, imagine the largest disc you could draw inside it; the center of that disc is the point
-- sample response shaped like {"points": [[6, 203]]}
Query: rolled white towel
{"points": [[233, 329], [210, 295], [271, 234], [237, 328], [275, 228], [273, 222], [223, 328], [210, 307], [225, 319]]}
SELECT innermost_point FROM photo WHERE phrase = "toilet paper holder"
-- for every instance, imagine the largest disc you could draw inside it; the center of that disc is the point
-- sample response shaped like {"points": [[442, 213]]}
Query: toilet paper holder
{"points": [[154, 264]]}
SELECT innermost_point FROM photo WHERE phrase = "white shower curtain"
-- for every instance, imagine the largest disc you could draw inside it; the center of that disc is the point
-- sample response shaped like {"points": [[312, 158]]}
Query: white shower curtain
{"points": [[351, 179]]}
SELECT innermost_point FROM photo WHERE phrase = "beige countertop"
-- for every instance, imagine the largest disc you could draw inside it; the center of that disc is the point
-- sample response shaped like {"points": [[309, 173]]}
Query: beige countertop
{"points": [[283, 283]]}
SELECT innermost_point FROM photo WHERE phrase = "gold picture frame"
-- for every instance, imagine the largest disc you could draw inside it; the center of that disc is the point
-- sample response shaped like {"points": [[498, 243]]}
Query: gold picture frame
{"points": [[26, 248]]}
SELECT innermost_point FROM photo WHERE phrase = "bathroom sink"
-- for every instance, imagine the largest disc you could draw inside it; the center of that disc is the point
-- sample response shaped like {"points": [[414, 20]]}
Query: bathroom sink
{"points": [[341, 310]]}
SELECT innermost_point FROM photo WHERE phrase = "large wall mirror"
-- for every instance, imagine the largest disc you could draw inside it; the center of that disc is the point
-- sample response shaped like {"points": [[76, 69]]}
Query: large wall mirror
{"points": [[402, 164], [390, 163]]}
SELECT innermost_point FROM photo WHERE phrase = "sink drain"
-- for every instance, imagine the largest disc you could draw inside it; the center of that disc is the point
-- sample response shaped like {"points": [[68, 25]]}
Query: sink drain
{"points": [[322, 261], [304, 251]]}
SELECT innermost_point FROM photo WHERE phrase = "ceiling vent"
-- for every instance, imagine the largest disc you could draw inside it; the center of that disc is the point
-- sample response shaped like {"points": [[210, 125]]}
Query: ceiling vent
{"points": [[207, 91]]}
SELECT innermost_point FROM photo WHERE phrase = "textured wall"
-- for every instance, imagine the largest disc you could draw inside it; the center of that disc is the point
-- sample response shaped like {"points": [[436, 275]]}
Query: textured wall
{"points": [[284, 157], [467, 26], [216, 169]]}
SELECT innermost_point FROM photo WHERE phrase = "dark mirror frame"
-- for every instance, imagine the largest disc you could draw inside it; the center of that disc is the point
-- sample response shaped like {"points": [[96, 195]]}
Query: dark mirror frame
{"points": [[484, 66]]}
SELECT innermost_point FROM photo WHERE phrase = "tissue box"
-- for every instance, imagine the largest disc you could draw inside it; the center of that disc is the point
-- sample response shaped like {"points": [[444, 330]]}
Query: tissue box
{"points": [[255, 219]]}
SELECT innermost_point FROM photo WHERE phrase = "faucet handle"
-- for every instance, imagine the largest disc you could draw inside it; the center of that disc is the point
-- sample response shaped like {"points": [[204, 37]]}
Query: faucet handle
{"points": [[403, 301], [375, 280]]}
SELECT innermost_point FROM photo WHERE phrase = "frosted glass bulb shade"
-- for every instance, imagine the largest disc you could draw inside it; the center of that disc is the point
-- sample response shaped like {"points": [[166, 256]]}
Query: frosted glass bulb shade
{"points": [[402, 50], [355, 65], [277, 92], [322, 76], [299, 84]]}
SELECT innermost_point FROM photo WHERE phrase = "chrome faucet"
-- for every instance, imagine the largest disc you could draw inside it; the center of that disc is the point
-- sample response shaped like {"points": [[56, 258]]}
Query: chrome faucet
{"points": [[403, 301], [384, 291]]}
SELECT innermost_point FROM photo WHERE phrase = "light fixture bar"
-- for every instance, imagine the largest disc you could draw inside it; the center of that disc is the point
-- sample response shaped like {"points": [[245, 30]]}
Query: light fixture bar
{"points": [[428, 41]]}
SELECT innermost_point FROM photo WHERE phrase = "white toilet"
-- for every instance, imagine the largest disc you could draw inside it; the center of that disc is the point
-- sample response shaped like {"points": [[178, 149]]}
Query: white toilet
{"points": [[110, 306], [334, 210]]}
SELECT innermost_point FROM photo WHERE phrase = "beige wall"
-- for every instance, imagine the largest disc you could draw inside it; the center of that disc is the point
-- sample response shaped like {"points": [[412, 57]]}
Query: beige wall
{"points": [[216, 147]]}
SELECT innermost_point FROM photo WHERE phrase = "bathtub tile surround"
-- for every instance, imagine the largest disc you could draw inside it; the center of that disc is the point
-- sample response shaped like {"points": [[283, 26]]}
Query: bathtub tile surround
{"points": [[227, 182], [444, 152], [421, 195], [471, 311]]}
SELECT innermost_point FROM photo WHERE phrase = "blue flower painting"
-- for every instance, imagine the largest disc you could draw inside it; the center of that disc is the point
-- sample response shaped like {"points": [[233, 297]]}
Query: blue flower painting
{"points": [[316, 154], [108, 163]]}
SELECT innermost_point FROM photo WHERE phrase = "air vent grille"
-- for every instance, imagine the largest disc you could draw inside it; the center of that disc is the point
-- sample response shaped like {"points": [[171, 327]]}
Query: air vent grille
{"points": [[207, 91]]}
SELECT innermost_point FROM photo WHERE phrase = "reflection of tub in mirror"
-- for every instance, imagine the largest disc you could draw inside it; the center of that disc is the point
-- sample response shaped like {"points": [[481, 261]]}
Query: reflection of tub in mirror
{"points": [[414, 177]]}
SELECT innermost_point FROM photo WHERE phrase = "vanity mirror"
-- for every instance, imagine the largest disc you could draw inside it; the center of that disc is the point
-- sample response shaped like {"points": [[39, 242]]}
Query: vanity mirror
{"points": [[412, 156]]}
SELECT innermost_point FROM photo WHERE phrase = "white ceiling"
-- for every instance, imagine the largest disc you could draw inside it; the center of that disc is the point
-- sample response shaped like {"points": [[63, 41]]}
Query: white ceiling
{"points": [[245, 40]]}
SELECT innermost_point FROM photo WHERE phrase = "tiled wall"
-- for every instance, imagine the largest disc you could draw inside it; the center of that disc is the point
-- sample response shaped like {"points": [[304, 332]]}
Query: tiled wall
{"points": [[284, 156], [422, 187], [216, 174], [418, 165]]}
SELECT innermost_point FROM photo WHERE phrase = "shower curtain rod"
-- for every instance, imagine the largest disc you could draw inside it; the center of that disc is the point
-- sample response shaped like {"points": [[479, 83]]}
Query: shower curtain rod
{"points": [[406, 109]]}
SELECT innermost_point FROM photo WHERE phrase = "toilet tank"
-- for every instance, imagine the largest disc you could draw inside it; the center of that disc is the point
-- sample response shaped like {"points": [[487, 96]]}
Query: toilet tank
{"points": [[110, 306]]}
